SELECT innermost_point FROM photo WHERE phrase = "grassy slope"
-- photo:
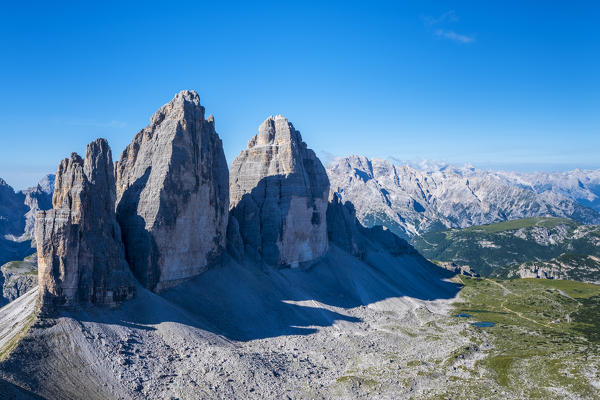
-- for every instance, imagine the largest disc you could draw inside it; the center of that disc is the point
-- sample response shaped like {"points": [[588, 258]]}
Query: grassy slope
{"points": [[464, 245], [546, 342], [545, 222]]}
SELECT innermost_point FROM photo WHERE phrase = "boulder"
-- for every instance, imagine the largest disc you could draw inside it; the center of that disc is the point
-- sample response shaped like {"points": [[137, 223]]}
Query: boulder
{"points": [[81, 258], [279, 190], [172, 194]]}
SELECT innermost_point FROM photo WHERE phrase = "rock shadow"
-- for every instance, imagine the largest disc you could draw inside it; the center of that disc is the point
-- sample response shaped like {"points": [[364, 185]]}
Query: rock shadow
{"points": [[141, 251], [247, 299], [262, 212]]}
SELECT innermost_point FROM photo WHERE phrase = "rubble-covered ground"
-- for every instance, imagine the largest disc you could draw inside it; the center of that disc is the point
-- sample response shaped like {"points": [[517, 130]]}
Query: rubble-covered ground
{"points": [[338, 329]]}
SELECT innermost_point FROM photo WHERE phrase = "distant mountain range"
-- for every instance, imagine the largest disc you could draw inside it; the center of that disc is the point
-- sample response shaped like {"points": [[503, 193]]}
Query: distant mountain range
{"points": [[17, 217], [553, 248], [412, 202]]}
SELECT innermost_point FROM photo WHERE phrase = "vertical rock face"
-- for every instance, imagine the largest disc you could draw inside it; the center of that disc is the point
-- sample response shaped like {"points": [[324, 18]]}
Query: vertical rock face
{"points": [[172, 194], [37, 198], [80, 254], [346, 232], [343, 227], [279, 190]]}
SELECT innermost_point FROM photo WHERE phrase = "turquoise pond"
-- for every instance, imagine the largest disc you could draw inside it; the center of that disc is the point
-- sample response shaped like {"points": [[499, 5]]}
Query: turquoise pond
{"points": [[483, 324]]}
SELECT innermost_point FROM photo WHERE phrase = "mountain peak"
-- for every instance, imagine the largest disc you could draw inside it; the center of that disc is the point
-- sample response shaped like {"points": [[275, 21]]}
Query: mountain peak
{"points": [[278, 194], [172, 194], [80, 254], [185, 104], [276, 130]]}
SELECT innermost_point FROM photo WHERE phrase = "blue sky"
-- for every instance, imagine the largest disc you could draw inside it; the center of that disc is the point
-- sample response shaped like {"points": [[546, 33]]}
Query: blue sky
{"points": [[511, 84]]}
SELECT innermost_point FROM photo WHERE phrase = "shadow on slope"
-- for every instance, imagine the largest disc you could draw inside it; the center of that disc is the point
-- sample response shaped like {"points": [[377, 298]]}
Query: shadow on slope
{"points": [[246, 301], [9, 391]]}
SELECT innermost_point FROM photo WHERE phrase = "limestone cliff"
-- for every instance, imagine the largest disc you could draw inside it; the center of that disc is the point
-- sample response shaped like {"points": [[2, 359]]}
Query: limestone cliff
{"points": [[172, 194], [80, 254], [278, 190]]}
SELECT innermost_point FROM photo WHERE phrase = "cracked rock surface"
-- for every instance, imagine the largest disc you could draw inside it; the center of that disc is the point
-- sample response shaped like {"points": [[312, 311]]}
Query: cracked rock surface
{"points": [[80, 254], [172, 194], [279, 191]]}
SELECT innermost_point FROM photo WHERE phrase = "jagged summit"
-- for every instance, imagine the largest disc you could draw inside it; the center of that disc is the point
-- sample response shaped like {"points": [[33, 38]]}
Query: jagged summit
{"points": [[243, 329], [184, 101], [278, 195], [80, 255], [275, 130], [172, 194], [46, 184], [411, 202]]}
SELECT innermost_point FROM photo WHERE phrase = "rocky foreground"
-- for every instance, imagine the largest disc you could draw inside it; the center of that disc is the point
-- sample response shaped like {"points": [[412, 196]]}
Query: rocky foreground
{"points": [[244, 331]]}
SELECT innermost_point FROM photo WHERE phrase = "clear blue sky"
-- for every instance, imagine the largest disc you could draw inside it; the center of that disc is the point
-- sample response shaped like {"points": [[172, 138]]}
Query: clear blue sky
{"points": [[506, 84]]}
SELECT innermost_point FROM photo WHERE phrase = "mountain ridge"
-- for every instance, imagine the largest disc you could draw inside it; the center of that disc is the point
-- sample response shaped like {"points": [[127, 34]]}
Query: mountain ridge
{"points": [[412, 202]]}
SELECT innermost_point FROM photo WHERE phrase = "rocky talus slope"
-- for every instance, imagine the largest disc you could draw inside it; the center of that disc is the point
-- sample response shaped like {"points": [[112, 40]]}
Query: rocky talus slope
{"points": [[279, 191], [412, 202], [81, 258], [172, 194]]}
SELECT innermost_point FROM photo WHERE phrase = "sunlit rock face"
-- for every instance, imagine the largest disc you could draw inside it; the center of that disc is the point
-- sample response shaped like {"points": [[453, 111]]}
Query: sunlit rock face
{"points": [[81, 258], [412, 201], [279, 189], [172, 194]]}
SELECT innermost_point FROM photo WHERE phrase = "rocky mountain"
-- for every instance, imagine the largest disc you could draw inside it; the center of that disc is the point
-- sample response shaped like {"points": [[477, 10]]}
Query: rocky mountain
{"points": [[173, 194], [412, 202], [279, 190], [17, 278], [582, 186], [81, 258], [237, 320], [17, 217], [12, 224], [532, 247], [37, 198]]}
